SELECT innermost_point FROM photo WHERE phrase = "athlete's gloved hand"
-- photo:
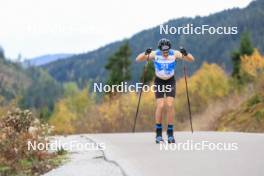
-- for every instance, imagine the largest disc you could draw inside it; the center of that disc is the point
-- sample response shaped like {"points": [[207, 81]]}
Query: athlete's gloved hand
{"points": [[148, 51], [183, 51]]}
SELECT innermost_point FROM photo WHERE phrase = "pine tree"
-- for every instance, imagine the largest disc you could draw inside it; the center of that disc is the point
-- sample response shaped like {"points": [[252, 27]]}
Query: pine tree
{"points": [[150, 72], [236, 64], [245, 48], [119, 65]]}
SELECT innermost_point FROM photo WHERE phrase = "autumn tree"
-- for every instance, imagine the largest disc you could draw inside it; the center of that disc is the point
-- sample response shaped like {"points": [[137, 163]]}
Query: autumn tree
{"points": [[252, 65], [71, 108], [205, 86]]}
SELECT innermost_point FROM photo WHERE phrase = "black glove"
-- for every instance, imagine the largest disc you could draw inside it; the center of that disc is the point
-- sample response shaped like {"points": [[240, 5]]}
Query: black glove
{"points": [[183, 51], [148, 51]]}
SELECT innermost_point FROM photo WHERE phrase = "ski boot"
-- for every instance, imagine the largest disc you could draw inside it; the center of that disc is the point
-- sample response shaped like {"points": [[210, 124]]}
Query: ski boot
{"points": [[159, 133], [170, 134]]}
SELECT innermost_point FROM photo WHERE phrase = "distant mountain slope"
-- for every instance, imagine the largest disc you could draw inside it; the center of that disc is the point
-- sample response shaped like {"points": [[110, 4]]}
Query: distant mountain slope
{"points": [[31, 88], [45, 59], [13, 79], [210, 48]]}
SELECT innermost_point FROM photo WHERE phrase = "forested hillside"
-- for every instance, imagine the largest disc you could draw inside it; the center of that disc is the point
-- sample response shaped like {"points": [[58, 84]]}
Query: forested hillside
{"points": [[27, 88], [13, 80], [211, 48]]}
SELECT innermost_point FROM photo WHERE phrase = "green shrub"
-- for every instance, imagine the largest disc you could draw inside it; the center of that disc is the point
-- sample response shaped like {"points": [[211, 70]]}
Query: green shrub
{"points": [[259, 115], [254, 100]]}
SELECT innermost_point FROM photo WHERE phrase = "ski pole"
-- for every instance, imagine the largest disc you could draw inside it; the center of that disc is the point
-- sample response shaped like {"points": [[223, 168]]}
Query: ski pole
{"points": [[139, 98], [187, 95]]}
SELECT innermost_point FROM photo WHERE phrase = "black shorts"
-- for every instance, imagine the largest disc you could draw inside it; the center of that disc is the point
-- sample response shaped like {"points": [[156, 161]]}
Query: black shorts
{"points": [[165, 87]]}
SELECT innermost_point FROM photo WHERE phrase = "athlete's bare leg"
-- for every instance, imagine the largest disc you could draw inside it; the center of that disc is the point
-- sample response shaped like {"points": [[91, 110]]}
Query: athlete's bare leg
{"points": [[159, 110], [170, 109]]}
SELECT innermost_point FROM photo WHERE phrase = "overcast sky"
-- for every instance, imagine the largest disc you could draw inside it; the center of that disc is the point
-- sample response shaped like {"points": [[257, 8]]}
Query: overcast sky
{"points": [[37, 27]]}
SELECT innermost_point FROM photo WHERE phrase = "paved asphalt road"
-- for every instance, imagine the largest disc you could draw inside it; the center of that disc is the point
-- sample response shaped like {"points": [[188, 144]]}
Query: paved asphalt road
{"points": [[239, 154]]}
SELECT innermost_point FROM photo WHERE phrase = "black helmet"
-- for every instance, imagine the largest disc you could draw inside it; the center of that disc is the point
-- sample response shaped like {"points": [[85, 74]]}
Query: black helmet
{"points": [[164, 44]]}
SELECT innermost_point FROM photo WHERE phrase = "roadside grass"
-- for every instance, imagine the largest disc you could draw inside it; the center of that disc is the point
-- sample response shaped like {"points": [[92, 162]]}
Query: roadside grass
{"points": [[33, 167], [249, 117]]}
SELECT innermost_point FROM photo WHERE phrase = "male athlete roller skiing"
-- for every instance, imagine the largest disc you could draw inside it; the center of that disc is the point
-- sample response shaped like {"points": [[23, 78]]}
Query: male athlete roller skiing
{"points": [[164, 59]]}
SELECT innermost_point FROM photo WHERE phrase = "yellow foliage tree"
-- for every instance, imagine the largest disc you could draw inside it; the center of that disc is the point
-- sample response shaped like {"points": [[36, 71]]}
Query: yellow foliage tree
{"points": [[253, 64], [207, 84], [70, 109], [62, 118]]}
